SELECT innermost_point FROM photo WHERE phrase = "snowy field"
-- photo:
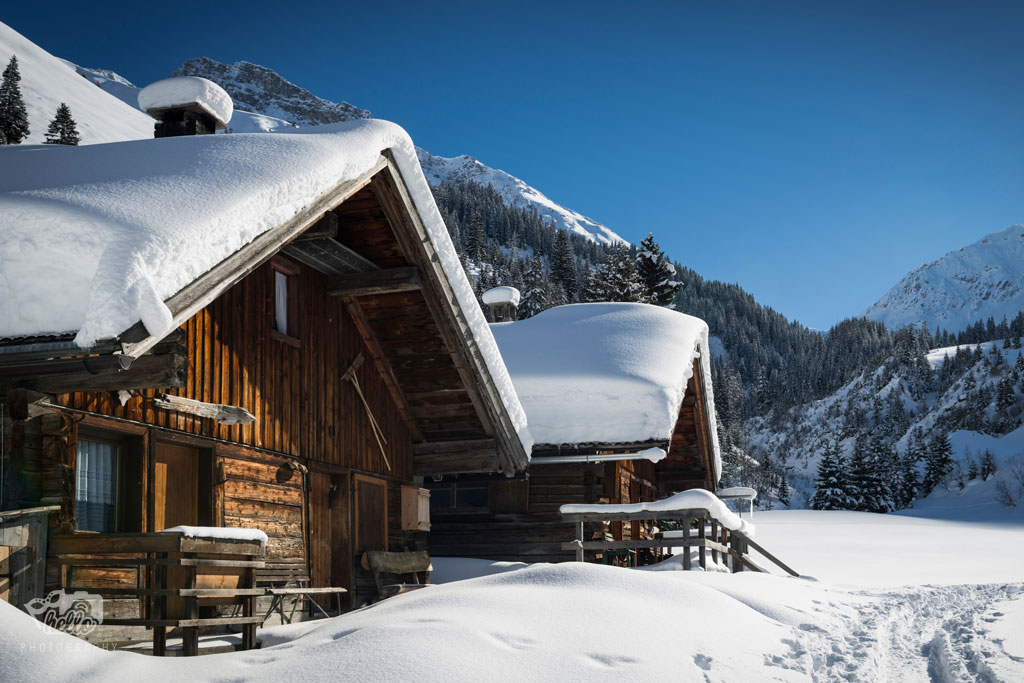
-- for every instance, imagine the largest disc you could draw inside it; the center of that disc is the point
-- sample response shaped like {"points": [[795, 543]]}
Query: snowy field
{"points": [[892, 598]]}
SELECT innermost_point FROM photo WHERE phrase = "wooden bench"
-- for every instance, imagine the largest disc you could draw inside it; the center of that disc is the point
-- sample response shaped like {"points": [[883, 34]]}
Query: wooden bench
{"points": [[407, 566], [292, 579]]}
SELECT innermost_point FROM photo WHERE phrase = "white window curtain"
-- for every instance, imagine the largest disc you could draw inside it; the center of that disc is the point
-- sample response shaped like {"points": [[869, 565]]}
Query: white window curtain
{"points": [[96, 487], [281, 302]]}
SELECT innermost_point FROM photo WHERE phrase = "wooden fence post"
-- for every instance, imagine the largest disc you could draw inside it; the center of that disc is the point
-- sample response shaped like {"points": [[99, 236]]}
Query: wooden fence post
{"points": [[579, 540], [702, 552]]}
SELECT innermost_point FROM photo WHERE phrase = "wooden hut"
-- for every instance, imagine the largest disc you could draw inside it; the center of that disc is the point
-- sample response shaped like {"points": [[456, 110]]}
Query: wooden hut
{"points": [[305, 378], [619, 401]]}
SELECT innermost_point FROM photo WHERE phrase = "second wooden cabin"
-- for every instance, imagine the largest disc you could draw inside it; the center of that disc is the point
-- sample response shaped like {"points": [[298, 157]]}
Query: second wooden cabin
{"points": [[619, 401]]}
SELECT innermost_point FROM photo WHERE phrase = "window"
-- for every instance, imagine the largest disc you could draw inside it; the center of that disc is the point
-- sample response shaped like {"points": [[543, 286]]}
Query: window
{"points": [[286, 301], [96, 486], [459, 496]]}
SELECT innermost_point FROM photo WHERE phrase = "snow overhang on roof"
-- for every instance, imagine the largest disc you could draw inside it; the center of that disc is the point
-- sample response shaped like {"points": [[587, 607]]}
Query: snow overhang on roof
{"points": [[96, 239], [609, 373]]}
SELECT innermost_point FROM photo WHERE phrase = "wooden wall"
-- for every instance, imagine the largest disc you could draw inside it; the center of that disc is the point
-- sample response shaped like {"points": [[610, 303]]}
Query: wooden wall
{"points": [[536, 533], [302, 408]]}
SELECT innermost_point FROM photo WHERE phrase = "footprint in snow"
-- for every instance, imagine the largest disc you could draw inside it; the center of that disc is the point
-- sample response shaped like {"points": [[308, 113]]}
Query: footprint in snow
{"points": [[703, 661], [611, 661]]}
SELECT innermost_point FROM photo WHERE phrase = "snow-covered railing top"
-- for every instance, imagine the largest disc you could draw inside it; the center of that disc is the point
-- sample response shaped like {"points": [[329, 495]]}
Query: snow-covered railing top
{"points": [[218, 532], [94, 239], [693, 500], [606, 372]]}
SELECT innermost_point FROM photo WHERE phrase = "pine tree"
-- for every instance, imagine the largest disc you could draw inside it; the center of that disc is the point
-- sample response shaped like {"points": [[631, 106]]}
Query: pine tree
{"points": [[909, 481], [783, 491], [563, 263], [656, 272], [830, 485], [476, 238], [62, 130], [617, 278], [988, 465], [535, 295], [1005, 397], [938, 463], [13, 113]]}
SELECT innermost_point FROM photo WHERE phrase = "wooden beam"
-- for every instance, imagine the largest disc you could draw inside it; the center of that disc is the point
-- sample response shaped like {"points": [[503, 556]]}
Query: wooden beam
{"points": [[326, 227], [207, 287], [453, 446], [455, 463], [329, 256], [390, 281], [224, 414], [147, 372]]}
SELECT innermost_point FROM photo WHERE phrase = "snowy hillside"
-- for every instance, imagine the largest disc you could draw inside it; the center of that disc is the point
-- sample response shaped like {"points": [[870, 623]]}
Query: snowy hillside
{"points": [[46, 81], [970, 284], [976, 395], [259, 89], [514, 191]]}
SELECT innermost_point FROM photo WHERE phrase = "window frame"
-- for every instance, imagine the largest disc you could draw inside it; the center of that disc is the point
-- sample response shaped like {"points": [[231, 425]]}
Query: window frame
{"points": [[290, 271]]}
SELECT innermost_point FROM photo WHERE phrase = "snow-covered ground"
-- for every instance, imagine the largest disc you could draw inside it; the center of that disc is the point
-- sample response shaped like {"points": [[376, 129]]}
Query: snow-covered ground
{"points": [[892, 598]]}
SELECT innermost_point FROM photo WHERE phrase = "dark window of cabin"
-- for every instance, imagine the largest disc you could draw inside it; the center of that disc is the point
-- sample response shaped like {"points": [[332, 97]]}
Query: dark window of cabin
{"points": [[108, 484], [441, 498], [286, 300], [470, 496]]}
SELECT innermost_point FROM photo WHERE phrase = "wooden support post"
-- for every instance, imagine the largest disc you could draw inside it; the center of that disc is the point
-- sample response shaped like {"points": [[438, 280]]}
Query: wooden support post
{"points": [[160, 609], [686, 543], [714, 536], [248, 610], [579, 539], [702, 552], [190, 634]]}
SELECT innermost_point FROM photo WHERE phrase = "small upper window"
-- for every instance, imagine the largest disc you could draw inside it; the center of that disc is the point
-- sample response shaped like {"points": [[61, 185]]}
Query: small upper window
{"points": [[286, 300]]}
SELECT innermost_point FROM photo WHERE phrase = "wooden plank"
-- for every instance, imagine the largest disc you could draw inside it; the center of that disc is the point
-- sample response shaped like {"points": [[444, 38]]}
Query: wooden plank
{"points": [[453, 463], [749, 541], [371, 283], [453, 446]]}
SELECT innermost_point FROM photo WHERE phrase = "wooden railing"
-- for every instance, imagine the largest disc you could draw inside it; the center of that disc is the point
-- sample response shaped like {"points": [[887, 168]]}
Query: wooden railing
{"points": [[174, 576], [700, 530]]}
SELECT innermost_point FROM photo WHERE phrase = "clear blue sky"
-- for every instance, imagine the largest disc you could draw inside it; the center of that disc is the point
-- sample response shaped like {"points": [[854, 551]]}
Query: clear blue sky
{"points": [[813, 152]]}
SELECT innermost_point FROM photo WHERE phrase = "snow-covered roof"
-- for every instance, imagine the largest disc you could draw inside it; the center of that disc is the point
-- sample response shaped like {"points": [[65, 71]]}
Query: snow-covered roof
{"points": [[97, 238], [501, 295], [171, 93], [605, 372]]}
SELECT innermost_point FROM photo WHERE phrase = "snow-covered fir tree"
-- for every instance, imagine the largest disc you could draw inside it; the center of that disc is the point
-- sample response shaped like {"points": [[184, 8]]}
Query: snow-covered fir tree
{"points": [[831, 486], [656, 272], [13, 113], [62, 129]]}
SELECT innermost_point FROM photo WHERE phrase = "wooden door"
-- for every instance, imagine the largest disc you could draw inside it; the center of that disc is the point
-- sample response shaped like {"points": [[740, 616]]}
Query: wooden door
{"points": [[175, 502], [175, 486], [371, 514], [329, 532]]}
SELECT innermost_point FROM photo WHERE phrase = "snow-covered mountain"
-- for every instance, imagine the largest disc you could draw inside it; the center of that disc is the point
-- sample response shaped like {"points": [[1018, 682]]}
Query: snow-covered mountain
{"points": [[259, 89], [970, 284], [514, 191], [46, 81]]}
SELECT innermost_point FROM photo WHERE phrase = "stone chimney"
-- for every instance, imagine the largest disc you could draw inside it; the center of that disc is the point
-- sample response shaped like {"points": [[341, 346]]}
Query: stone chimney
{"points": [[502, 304], [186, 105]]}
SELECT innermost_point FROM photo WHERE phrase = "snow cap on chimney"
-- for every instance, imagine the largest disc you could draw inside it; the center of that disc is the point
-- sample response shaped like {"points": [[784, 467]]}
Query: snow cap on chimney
{"points": [[502, 303], [186, 105]]}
